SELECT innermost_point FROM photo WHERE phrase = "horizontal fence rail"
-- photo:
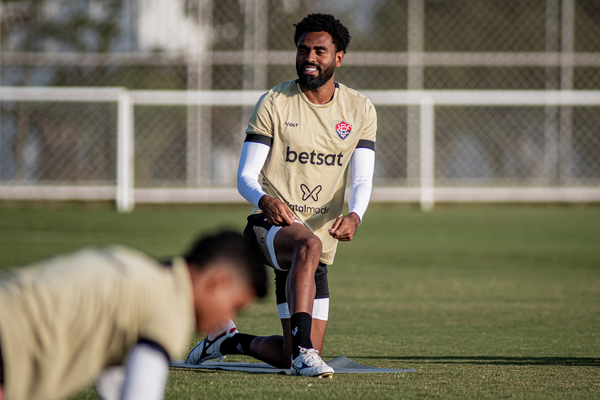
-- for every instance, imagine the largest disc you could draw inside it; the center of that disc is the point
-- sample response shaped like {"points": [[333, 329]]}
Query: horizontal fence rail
{"points": [[272, 57], [126, 194]]}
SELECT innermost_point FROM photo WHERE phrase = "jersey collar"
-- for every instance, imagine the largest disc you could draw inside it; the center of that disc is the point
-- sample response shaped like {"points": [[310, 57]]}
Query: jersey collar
{"points": [[328, 104]]}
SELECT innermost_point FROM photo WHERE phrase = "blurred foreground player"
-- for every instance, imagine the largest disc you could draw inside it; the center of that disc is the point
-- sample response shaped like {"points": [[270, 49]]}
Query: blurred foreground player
{"points": [[301, 137], [117, 315]]}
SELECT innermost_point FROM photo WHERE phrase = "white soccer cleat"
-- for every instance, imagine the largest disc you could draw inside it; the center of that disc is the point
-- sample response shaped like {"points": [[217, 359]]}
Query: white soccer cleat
{"points": [[209, 348], [309, 363]]}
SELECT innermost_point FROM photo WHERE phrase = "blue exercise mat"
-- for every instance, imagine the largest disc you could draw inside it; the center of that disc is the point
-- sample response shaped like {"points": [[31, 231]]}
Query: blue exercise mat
{"points": [[340, 364]]}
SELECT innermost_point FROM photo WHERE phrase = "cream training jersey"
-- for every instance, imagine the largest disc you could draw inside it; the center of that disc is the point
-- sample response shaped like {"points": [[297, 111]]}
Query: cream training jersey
{"points": [[64, 320], [310, 149]]}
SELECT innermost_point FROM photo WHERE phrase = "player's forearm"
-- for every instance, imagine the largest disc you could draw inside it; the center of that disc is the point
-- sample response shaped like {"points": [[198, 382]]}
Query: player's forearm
{"points": [[253, 158], [360, 194], [250, 189], [363, 167], [145, 374]]}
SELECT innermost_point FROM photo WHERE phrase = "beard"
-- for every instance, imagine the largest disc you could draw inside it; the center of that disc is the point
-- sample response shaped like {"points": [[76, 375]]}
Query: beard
{"points": [[314, 82]]}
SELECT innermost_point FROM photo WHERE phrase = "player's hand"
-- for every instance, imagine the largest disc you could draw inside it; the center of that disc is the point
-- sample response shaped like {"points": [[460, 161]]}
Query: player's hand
{"points": [[345, 227], [276, 211]]}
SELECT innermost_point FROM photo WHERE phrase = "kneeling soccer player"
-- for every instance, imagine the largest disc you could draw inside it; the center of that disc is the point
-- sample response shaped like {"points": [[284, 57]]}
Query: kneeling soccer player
{"points": [[293, 169], [117, 315]]}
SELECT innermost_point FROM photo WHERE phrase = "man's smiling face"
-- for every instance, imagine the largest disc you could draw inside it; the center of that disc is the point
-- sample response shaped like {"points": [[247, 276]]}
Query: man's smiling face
{"points": [[316, 59]]}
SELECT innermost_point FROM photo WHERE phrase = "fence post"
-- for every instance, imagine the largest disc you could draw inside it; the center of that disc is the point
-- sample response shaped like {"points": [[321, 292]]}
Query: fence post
{"points": [[125, 153], [566, 83], [416, 45], [427, 153]]}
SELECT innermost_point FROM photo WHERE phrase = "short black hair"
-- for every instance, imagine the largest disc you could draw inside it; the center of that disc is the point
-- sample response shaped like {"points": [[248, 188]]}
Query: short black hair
{"points": [[233, 247], [324, 23]]}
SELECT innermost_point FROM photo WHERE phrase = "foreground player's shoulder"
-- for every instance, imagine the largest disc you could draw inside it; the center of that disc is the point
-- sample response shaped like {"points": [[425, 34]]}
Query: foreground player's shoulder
{"points": [[157, 296], [130, 259]]}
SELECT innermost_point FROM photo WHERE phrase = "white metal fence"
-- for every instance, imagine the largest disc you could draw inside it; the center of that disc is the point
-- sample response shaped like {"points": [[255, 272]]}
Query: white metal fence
{"points": [[515, 146], [481, 103]]}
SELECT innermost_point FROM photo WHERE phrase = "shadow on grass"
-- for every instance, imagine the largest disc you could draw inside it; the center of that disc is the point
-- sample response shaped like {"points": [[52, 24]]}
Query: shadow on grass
{"points": [[568, 361]]}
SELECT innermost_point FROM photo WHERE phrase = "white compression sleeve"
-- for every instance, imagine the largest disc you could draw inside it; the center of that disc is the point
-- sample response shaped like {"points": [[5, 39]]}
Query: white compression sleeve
{"points": [[252, 161], [145, 374], [363, 167], [109, 384]]}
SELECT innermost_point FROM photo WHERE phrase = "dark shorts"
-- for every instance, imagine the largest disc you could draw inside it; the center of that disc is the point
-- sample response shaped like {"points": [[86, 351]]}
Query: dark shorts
{"points": [[257, 231], [320, 282]]}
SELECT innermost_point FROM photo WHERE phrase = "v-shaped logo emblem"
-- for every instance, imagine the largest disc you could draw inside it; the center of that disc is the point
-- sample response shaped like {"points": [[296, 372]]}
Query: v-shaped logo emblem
{"points": [[314, 194]]}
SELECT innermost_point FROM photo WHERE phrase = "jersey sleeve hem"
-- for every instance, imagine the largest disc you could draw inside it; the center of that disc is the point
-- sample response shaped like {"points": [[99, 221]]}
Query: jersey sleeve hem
{"points": [[256, 138], [366, 144]]}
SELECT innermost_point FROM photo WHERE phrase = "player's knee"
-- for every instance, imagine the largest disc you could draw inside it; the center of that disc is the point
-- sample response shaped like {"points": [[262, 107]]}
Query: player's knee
{"points": [[310, 247]]}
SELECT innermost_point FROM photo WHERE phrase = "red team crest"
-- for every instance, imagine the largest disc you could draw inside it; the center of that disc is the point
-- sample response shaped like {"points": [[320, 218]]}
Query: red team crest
{"points": [[343, 129]]}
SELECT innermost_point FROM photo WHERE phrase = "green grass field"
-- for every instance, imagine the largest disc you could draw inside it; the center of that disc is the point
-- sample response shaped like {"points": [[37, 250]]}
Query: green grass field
{"points": [[483, 301]]}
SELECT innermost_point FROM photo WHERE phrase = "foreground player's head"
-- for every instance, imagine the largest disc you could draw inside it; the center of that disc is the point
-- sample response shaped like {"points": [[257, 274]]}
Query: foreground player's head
{"points": [[227, 273], [321, 42]]}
